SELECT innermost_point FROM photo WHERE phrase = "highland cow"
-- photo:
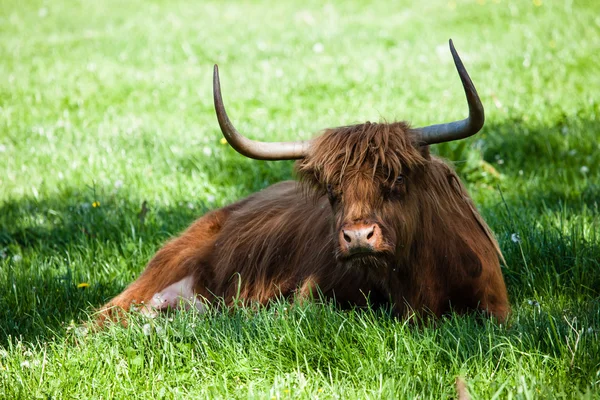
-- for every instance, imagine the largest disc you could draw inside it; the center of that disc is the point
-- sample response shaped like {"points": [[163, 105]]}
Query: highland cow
{"points": [[373, 219]]}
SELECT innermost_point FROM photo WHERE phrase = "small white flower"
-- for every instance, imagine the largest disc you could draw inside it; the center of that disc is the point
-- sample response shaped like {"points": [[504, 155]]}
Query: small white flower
{"points": [[85, 206], [190, 205], [590, 330], [520, 172], [26, 364], [318, 47], [533, 303], [17, 258], [118, 184], [160, 330], [2, 148], [572, 152], [81, 331], [564, 130], [210, 198], [42, 12], [207, 151], [515, 238], [584, 169], [147, 329], [500, 161], [3, 353], [27, 353]]}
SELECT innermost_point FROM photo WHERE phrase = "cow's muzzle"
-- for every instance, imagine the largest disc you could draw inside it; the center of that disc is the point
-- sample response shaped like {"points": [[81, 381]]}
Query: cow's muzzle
{"points": [[360, 238]]}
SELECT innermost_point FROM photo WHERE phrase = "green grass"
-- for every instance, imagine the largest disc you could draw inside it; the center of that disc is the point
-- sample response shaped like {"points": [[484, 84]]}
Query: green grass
{"points": [[110, 102]]}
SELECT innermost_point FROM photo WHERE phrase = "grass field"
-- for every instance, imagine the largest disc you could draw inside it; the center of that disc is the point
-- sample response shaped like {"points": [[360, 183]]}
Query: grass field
{"points": [[104, 105]]}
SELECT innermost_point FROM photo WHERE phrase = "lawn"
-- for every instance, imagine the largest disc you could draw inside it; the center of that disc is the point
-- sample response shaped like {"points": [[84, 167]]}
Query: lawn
{"points": [[106, 105]]}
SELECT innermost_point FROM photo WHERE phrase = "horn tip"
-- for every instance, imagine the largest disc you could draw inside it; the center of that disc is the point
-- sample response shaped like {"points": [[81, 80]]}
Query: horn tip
{"points": [[216, 76], [451, 44]]}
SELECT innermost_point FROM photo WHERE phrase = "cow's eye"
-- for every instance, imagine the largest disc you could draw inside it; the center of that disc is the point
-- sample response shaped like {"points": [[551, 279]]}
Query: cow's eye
{"points": [[399, 187], [331, 194]]}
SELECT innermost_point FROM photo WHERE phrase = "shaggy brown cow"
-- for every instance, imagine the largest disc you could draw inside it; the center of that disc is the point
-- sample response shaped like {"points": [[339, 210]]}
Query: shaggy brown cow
{"points": [[374, 219]]}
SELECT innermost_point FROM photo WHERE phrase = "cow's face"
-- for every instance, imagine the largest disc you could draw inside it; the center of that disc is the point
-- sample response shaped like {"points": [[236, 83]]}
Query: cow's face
{"points": [[375, 216], [369, 173]]}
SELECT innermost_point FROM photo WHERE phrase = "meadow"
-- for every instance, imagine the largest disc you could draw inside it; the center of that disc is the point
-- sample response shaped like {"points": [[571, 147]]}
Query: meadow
{"points": [[106, 106]]}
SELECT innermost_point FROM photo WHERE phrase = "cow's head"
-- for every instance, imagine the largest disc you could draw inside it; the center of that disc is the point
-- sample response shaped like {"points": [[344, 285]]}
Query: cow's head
{"points": [[375, 176]]}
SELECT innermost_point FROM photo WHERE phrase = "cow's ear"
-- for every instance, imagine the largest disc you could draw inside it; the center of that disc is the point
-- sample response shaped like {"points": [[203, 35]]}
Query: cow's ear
{"points": [[424, 150]]}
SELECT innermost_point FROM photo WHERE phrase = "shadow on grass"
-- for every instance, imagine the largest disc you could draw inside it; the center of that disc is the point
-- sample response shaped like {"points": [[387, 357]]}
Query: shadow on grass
{"points": [[97, 236], [50, 245]]}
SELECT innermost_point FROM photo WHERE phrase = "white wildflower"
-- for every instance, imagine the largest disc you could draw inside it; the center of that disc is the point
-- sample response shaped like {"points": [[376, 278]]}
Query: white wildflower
{"points": [[207, 151], [210, 198], [515, 238], [533, 303], [26, 364], [190, 205], [118, 184], [2, 148], [17, 258], [81, 331], [584, 169], [147, 329], [318, 47]]}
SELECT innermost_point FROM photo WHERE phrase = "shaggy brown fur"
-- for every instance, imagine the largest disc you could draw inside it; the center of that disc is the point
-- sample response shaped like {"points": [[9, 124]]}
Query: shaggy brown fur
{"points": [[435, 253]]}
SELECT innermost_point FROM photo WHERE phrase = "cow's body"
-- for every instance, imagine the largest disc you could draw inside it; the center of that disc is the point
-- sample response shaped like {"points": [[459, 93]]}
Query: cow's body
{"points": [[374, 219], [279, 242]]}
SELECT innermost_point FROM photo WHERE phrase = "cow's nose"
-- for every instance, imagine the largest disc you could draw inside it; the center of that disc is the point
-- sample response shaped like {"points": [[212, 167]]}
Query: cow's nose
{"points": [[360, 237]]}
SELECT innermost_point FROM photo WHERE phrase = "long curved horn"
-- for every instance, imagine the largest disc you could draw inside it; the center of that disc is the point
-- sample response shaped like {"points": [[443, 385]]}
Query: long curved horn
{"points": [[458, 129], [252, 148]]}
